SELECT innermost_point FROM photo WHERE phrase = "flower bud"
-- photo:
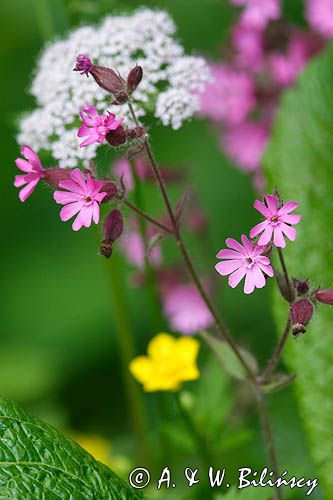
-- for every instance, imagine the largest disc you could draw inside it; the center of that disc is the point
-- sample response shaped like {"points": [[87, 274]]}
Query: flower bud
{"points": [[83, 64], [112, 230], [134, 78], [110, 188], [324, 296], [55, 175], [117, 137], [301, 312], [301, 287]]}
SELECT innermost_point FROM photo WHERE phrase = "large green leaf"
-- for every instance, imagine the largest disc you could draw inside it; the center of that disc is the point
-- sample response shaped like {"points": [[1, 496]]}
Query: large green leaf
{"points": [[39, 463], [299, 161]]}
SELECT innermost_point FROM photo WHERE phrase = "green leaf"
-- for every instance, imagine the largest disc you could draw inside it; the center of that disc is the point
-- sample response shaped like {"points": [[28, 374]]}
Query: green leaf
{"points": [[299, 161], [39, 463], [227, 358]]}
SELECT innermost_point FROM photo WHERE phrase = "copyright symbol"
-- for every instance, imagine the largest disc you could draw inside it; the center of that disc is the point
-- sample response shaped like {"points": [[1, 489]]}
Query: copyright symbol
{"points": [[139, 478]]}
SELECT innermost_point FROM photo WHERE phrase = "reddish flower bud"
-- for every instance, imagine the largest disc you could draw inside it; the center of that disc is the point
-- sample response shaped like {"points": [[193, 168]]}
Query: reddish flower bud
{"points": [[55, 175], [134, 78], [324, 296], [301, 312], [117, 137], [83, 64], [110, 188], [301, 287], [112, 230]]}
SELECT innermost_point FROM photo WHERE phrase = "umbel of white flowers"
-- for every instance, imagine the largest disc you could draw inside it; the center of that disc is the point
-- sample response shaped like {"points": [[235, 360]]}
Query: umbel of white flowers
{"points": [[169, 89]]}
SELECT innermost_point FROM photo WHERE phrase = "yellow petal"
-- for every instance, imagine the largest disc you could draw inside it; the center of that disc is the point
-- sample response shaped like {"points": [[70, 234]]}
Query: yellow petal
{"points": [[162, 346], [141, 369]]}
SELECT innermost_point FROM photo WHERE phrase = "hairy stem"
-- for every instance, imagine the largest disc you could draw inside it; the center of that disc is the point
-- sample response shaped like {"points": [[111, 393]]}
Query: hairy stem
{"points": [[143, 214], [286, 275], [276, 355]]}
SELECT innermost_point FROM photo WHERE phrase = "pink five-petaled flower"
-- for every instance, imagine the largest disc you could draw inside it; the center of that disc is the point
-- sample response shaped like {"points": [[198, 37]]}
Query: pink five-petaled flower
{"points": [[96, 126], [244, 260], [82, 196], [278, 221], [34, 172]]}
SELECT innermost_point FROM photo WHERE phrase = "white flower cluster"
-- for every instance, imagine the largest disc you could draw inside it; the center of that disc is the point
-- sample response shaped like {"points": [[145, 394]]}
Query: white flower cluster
{"points": [[169, 87]]}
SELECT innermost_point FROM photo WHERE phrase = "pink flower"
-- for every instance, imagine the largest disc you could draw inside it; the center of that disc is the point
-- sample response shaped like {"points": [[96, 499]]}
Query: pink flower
{"points": [[244, 260], [320, 16], [82, 197], [34, 172], [245, 144], [122, 169], [96, 126], [136, 253], [186, 311], [230, 96], [248, 42], [258, 13], [278, 221], [286, 67]]}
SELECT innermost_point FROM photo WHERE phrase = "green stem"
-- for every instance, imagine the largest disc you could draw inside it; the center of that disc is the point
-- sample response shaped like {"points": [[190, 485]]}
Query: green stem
{"points": [[127, 352], [277, 354], [286, 275]]}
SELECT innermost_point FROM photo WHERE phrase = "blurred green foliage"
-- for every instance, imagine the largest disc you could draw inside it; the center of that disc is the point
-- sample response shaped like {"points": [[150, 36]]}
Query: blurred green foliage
{"points": [[59, 350]]}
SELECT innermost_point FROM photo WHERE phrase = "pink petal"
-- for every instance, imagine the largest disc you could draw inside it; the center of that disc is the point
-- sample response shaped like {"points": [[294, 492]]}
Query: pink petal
{"points": [[236, 277], [288, 207], [266, 269], [72, 186], [64, 197], [278, 238], [27, 190], [266, 236], [83, 131], [23, 165], [94, 137], [86, 214], [68, 211], [99, 197], [291, 219], [78, 177], [247, 244], [228, 267], [77, 224], [116, 124], [229, 254], [95, 212], [263, 260], [272, 203], [231, 243], [258, 228], [20, 180], [290, 232], [258, 205], [249, 282], [33, 157], [258, 277]]}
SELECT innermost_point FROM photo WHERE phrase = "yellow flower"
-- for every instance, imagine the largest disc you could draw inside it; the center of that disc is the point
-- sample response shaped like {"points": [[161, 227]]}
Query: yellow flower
{"points": [[169, 362]]}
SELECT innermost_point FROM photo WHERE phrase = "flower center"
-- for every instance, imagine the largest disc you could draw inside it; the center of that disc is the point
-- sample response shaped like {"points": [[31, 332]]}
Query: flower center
{"points": [[275, 218], [250, 262], [88, 199]]}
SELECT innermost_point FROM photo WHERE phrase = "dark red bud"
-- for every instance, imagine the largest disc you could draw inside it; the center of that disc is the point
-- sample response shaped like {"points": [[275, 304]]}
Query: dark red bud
{"points": [[301, 313], [134, 78], [301, 287], [110, 188], [112, 230], [121, 98], [117, 137], [55, 175], [108, 79], [324, 296]]}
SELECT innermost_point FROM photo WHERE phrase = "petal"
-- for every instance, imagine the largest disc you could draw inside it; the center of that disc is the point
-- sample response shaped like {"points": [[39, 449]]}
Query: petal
{"points": [[77, 223], [247, 244], [278, 238], [266, 269], [272, 203], [228, 267], [258, 205], [231, 243], [266, 236], [249, 282], [86, 214], [94, 137], [258, 228], [291, 219], [258, 277], [71, 186], [236, 277], [95, 212], [78, 177], [23, 165], [263, 260], [99, 197], [290, 232], [115, 124], [83, 131], [33, 157], [68, 211], [19, 180], [288, 207], [229, 254], [64, 197], [27, 190]]}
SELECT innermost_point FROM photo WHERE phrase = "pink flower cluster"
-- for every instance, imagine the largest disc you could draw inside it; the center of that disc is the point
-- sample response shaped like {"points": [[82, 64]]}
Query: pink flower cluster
{"points": [[250, 260], [265, 56]]}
